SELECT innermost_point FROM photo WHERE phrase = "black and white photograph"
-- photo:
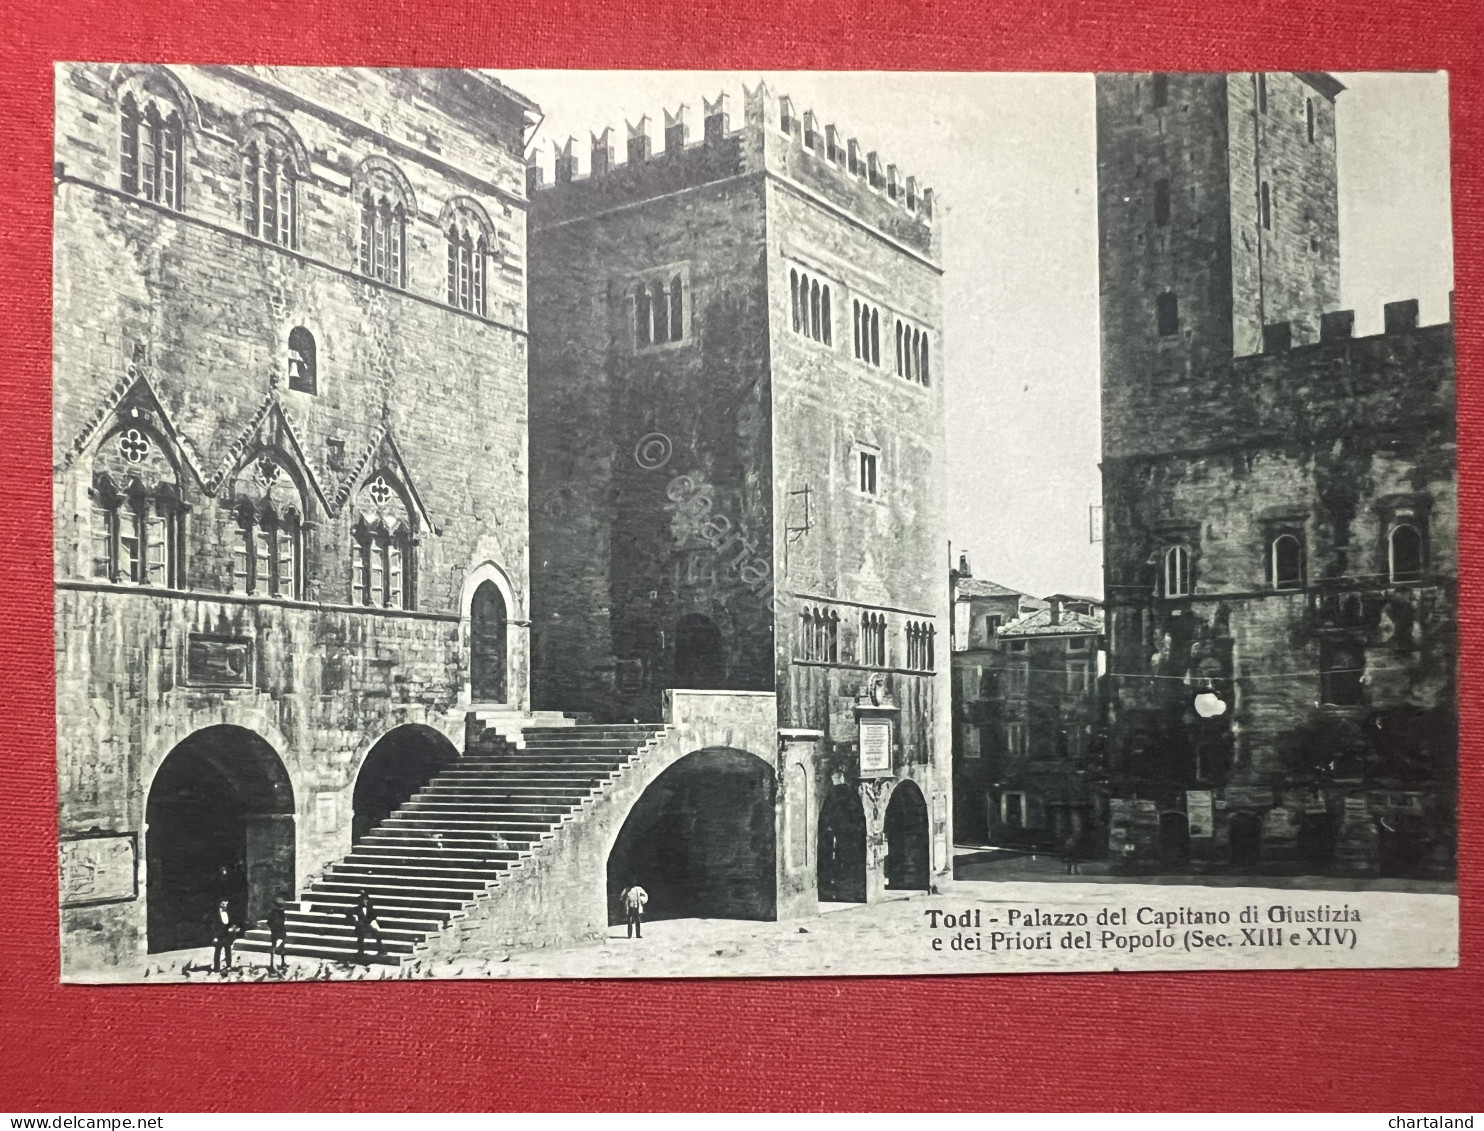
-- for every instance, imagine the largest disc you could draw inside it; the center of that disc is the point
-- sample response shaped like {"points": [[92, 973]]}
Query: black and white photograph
{"points": [[651, 524]]}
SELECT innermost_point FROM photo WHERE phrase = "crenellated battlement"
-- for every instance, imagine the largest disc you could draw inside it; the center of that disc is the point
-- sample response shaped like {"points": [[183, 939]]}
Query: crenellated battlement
{"points": [[773, 136], [1336, 326]]}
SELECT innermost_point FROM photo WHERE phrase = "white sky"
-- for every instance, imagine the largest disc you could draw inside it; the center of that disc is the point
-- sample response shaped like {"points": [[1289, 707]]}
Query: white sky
{"points": [[1012, 160]]}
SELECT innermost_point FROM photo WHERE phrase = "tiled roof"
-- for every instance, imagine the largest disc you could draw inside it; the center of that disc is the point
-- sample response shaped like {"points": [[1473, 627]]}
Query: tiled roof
{"points": [[978, 587], [1039, 623]]}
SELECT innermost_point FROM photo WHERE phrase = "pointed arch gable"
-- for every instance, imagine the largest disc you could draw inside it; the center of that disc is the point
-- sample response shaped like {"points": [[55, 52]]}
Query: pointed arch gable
{"points": [[384, 455], [133, 399], [269, 429]]}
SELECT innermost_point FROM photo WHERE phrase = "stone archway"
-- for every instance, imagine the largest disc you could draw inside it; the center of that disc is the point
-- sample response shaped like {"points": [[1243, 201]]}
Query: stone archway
{"points": [[701, 840], [401, 763], [841, 868], [219, 824], [908, 860]]}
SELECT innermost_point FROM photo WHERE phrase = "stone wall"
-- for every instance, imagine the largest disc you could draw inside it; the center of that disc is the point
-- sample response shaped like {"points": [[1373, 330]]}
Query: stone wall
{"points": [[175, 321]]}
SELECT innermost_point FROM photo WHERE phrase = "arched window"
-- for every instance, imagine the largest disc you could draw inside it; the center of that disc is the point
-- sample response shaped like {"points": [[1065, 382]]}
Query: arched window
{"points": [[270, 190], [268, 546], [1161, 90], [1167, 314], [151, 152], [1176, 573], [1161, 202], [642, 327], [900, 370], [1267, 207], [873, 640], [793, 290], [876, 338], [659, 302], [922, 364], [303, 374], [136, 512], [825, 316], [468, 255], [382, 546], [383, 237], [815, 330], [1288, 562], [1405, 552], [677, 310]]}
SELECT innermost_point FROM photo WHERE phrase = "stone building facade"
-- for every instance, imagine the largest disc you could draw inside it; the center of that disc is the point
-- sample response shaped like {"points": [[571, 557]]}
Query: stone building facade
{"points": [[737, 475], [290, 470], [1027, 740], [1279, 500]]}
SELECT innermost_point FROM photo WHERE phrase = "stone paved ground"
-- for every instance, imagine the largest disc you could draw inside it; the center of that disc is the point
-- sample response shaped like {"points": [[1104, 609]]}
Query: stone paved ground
{"points": [[1002, 864], [897, 937]]}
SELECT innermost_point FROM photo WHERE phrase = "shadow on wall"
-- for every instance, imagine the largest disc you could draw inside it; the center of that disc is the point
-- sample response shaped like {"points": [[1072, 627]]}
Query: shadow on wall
{"points": [[701, 841]]}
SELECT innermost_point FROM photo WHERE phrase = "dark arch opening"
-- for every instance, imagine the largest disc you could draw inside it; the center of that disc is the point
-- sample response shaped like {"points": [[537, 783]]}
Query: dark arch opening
{"points": [[219, 824], [401, 763], [1317, 836], [699, 660], [907, 859], [842, 847], [487, 631], [1174, 839], [701, 841], [1245, 838]]}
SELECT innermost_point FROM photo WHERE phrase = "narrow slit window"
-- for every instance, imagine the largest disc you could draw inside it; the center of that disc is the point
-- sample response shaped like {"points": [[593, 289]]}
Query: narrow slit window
{"points": [[1167, 314], [1267, 206], [1161, 202]]}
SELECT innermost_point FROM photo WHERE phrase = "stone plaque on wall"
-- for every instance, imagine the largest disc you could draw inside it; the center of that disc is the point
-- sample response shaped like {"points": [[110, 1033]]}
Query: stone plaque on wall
{"points": [[218, 661], [97, 869], [875, 740]]}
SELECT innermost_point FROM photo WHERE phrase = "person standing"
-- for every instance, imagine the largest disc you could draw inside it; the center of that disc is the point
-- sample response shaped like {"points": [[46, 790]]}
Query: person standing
{"points": [[278, 935], [223, 932], [633, 899], [1070, 852], [363, 919]]}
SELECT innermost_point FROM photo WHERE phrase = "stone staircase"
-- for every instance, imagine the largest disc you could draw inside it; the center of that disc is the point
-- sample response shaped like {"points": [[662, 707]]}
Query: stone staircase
{"points": [[471, 827]]}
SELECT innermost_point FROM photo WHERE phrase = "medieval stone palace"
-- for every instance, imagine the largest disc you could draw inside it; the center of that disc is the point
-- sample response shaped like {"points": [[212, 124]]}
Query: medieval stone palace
{"points": [[382, 560]]}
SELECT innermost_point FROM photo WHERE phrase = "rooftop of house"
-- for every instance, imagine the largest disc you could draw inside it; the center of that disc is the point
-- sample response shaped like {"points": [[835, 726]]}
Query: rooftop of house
{"points": [[980, 587], [1053, 621]]}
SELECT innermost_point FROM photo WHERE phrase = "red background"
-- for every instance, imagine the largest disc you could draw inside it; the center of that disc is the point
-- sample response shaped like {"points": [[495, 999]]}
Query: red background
{"points": [[1342, 1040]]}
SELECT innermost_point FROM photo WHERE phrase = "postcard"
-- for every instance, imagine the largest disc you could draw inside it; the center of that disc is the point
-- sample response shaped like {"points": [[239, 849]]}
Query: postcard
{"points": [[663, 524]]}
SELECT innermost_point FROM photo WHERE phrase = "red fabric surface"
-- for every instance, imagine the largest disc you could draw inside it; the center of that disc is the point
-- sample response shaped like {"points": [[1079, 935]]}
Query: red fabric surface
{"points": [[1343, 1040]]}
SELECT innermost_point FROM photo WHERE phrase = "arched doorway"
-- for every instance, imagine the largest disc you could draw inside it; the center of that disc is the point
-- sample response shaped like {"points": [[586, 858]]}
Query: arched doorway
{"points": [[401, 763], [907, 864], [1174, 839], [1316, 839], [701, 841], [487, 633], [842, 847], [699, 661], [219, 824], [1245, 837]]}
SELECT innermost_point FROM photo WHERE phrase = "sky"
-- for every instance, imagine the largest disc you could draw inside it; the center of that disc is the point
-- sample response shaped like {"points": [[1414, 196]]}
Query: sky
{"points": [[1012, 161]]}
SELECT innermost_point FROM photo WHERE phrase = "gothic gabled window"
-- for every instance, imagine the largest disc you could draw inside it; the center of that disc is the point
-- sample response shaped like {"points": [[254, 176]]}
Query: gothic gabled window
{"points": [[382, 546], [270, 179], [151, 151], [873, 640], [268, 529], [135, 512]]}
